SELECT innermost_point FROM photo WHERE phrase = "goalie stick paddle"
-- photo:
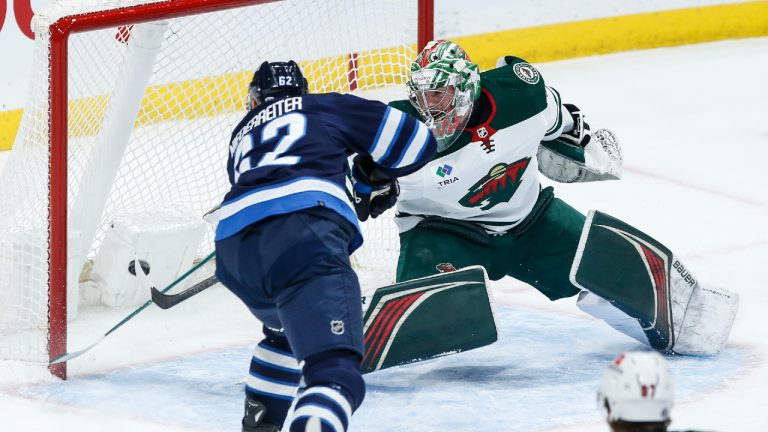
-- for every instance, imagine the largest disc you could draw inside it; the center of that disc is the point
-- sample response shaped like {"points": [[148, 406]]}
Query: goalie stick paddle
{"points": [[69, 356], [166, 301]]}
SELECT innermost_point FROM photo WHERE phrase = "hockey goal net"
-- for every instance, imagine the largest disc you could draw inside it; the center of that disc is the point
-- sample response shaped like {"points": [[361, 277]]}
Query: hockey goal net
{"points": [[124, 136]]}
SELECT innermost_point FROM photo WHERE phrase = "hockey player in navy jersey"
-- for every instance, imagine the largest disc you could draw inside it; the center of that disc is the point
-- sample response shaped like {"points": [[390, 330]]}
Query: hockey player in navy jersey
{"points": [[286, 230]]}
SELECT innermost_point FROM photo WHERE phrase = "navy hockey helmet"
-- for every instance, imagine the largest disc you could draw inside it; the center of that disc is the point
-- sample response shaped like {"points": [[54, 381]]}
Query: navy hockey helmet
{"points": [[276, 80]]}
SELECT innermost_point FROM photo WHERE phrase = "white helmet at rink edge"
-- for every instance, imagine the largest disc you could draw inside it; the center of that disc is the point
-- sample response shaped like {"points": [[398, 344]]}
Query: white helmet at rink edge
{"points": [[636, 387]]}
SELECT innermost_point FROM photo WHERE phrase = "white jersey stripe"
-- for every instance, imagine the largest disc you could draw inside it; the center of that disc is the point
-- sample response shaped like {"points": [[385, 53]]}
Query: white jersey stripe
{"points": [[319, 412], [277, 359], [557, 123], [388, 135], [415, 147], [303, 184]]}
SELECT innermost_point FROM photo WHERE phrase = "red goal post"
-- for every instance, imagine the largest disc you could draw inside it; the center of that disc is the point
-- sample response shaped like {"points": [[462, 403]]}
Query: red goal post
{"points": [[61, 106]]}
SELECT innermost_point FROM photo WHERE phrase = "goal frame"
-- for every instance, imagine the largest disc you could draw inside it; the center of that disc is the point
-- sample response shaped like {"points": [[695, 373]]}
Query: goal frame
{"points": [[60, 31]]}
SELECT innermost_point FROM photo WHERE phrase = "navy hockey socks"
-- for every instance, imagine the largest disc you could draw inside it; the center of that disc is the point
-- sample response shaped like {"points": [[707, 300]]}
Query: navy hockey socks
{"points": [[335, 389], [274, 377]]}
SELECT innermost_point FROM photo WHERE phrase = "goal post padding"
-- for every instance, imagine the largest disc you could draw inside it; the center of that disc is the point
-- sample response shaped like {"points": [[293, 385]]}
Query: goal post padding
{"points": [[98, 140]]}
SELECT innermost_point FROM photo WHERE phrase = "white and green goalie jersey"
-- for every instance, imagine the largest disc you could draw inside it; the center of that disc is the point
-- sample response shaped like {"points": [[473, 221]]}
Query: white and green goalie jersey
{"points": [[489, 175]]}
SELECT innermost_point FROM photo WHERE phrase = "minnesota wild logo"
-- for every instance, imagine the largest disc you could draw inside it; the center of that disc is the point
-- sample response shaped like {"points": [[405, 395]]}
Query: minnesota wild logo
{"points": [[497, 186], [526, 72]]}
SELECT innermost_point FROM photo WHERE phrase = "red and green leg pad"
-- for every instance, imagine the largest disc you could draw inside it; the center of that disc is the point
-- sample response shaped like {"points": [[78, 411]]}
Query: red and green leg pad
{"points": [[632, 272], [428, 317]]}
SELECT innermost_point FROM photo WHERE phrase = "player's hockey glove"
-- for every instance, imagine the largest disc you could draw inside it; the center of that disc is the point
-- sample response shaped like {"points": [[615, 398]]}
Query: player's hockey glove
{"points": [[373, 192], [580, 135]]}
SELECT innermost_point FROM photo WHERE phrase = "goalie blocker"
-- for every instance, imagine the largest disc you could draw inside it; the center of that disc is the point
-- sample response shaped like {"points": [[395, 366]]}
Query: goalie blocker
{"points": [[658, 300]]}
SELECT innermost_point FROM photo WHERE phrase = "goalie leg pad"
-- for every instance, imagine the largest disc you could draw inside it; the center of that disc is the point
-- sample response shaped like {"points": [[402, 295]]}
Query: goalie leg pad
{"points": [[428, 317], [643, 279], [601, 308], [707, 321]]}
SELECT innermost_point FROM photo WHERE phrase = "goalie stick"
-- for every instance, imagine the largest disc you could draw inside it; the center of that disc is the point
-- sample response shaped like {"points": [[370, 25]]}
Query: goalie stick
{"points": [[69, 356]]}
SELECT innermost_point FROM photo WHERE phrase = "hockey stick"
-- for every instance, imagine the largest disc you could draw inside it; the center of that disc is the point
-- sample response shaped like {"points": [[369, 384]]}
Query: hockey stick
{"points": [[69, 356], [166, 301]]}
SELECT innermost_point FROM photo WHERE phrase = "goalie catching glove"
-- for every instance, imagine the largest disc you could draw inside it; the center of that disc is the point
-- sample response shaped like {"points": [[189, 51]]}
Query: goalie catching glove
{"points": [[578, 155], [373, 192]]}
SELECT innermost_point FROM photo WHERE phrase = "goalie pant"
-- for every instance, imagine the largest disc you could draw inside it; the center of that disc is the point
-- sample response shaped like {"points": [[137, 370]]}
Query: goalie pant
{"points": [[560, 252]]}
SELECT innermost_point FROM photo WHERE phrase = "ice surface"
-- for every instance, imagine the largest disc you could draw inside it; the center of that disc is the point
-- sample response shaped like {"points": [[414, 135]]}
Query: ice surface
{"points": [[541, 358]]}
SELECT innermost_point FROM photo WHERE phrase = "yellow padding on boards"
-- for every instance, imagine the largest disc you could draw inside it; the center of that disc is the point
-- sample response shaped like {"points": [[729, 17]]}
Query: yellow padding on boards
{"points": [[9, 124], [624, 33], [214, 95], [194, 99], [227, 93]]}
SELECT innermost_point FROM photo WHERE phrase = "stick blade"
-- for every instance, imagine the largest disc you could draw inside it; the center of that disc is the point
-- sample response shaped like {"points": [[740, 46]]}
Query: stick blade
{"points": [[69, 356], [157, 297], [160, 299]]}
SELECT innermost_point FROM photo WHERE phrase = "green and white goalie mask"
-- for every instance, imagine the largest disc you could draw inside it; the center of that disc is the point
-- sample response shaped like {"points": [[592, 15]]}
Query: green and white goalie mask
{"points": [[444, 93], [439, 50]]}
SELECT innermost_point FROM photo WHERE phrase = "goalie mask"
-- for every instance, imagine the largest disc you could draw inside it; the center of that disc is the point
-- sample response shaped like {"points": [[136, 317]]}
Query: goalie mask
{"points": [[636, 387], [276, 80], [444, 92], [440, 50]]}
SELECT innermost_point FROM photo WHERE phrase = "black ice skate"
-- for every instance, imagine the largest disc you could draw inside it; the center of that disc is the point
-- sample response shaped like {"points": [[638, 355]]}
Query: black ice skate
{"points": [[252, 420]]}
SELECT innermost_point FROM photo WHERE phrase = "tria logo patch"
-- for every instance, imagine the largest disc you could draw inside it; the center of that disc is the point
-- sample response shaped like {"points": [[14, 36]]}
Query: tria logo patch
{"points": [[444, 170], [447, 181], [526, 72], [497, 186]]}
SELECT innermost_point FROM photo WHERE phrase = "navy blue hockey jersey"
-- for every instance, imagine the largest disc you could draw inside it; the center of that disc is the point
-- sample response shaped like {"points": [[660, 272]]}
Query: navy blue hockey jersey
{"points": [[291, 154]]}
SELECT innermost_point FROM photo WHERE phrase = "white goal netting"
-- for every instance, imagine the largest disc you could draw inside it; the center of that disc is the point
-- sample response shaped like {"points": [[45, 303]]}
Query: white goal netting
{"points": [[150, 110]]}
